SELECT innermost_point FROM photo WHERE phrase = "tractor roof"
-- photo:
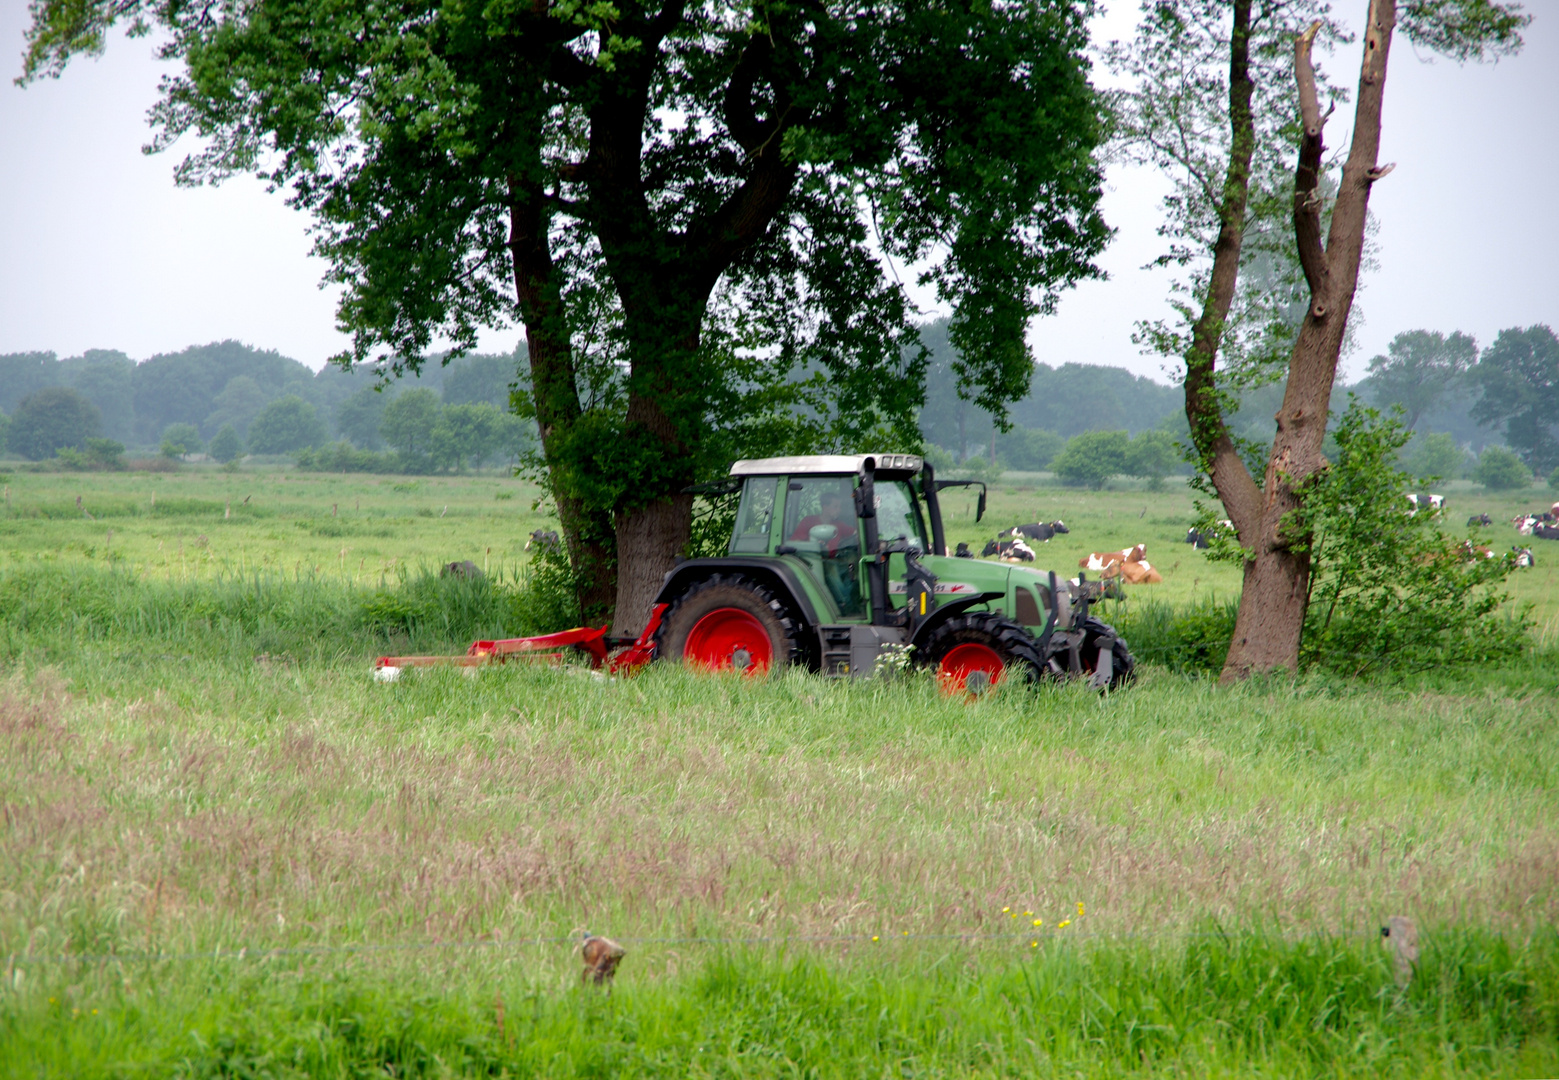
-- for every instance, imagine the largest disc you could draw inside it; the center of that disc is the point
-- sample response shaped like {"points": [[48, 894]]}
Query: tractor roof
{"points": [[905, 464]]}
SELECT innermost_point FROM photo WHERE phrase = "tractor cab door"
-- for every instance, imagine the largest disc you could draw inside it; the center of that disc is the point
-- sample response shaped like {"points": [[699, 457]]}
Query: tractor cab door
{"points": [[820, 528], [899, 520]]}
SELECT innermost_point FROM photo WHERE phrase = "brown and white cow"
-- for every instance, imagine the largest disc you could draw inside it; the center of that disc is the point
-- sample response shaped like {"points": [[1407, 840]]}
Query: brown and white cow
{"points": [[1128, 563]]}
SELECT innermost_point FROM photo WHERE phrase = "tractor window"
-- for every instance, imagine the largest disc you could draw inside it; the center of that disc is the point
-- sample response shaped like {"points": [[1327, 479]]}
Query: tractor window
{"points": [[898, 514], [754, 515], [821, 529]]}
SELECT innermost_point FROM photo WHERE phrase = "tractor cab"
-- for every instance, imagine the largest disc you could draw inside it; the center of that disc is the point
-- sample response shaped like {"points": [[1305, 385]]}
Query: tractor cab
{"points": [[838, 560]]}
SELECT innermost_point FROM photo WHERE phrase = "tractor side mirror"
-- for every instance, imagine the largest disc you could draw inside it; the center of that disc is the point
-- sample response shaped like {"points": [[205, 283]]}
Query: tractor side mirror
{"points": [[979, 507]]}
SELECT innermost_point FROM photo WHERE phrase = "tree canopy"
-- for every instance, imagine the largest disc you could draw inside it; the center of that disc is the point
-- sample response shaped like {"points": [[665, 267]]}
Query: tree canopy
{"points": [[1519, 379], [697, 210], [54, 417], [1420, 367]]}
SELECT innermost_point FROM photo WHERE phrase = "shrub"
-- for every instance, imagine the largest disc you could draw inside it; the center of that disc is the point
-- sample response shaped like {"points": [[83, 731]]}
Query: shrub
{"points": [[1090, 459], [1500, 469], [181, 439], [1553, 479], [98, 454], [225, 446], [1389, 589], [1436, 454], [1152, 455]]}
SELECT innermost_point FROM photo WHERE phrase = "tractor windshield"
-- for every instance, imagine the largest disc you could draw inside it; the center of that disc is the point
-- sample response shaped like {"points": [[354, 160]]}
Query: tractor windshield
{"points": [[898, 514]]}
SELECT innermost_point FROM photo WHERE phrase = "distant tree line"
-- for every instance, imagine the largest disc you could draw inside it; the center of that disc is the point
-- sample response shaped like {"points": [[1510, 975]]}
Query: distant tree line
{"points": [[1492, 416], [227, 399]]}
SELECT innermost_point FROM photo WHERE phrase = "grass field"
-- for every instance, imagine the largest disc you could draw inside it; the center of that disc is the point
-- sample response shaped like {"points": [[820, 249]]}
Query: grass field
{"points": [[228, 852]]}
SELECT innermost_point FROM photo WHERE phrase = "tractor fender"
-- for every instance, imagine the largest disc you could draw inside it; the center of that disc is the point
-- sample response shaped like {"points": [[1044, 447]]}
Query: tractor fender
{"points": [[946, 611], [771, 573]]}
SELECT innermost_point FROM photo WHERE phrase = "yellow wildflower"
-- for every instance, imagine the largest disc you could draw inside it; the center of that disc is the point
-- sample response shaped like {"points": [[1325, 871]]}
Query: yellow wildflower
{"points": [[1039, 922], [1063, 924], [874, 937], [1079, 909]]}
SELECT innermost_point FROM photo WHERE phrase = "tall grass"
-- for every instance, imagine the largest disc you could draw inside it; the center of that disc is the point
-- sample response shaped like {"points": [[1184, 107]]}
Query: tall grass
{"points": [[1219, 1005], [58, 608]]}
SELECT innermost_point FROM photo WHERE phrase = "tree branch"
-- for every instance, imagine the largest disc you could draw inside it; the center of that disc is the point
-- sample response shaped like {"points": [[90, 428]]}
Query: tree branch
{"points": [[1307, 175]]}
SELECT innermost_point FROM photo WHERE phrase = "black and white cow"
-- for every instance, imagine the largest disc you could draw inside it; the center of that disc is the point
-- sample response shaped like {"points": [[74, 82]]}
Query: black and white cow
{"points": [[1035, 530], [1546, 532], [1203, 538], [1523, 556], [543, 538], [1435, 504], [1014, 550], [1480, 519]]}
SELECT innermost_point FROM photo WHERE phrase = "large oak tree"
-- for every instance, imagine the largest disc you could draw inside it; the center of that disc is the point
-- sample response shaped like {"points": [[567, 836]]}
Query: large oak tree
{"points": [[697, 209], [1217, 133]]}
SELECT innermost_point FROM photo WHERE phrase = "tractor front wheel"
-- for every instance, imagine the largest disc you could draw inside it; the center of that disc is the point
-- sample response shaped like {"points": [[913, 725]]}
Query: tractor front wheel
{"points": [[729, 624], [973, 653]]}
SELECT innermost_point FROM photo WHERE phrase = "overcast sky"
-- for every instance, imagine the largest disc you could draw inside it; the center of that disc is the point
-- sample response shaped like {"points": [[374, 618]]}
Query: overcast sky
{"points": [[102, 251]]}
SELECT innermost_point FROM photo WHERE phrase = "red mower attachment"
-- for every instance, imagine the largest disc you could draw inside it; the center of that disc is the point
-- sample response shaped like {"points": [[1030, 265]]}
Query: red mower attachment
{"points": [[544, 648]]}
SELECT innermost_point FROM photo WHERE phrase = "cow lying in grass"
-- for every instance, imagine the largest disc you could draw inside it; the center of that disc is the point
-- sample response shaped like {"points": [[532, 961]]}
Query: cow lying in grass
{"points": [[1013, 550], [1128, 563], [1035, 530]]}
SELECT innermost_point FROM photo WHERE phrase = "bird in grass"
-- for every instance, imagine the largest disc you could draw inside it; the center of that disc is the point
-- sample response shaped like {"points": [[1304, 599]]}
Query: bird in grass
{"points": [[601, 956], [1400, 937]]}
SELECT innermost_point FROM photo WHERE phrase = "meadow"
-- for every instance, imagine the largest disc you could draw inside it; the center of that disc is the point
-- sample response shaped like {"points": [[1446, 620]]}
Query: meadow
{"points": [[229, 852]]}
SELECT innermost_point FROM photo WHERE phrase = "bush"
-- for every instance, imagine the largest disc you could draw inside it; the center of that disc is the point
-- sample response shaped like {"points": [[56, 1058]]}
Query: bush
{"points": [[1436, 454], [98, 454], [1553, 480], [1500, 469], [225, 446], [344, 457], [1389, 590], [181, 439], [1090, 459], [53, 417]]}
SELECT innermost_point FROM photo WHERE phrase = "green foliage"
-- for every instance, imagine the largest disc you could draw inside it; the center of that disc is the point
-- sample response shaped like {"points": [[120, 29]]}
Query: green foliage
{"points": [[1152, 456], [359, 416], [408, 422], [179, 440], [1519, 379], [1436, 454], [1553, 479], [284, 426], [1090, 459], [1192, 640], [1498, 469], [752, 301], [5, 432], [97, 454], [53, 417], [225, 446], [1390, 591], [343, 457], [1029, 449], [1420, 367]]}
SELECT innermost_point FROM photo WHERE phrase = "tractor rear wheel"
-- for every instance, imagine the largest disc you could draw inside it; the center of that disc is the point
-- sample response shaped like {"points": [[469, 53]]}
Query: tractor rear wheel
{"points": [[729, 623], [973, 653]]}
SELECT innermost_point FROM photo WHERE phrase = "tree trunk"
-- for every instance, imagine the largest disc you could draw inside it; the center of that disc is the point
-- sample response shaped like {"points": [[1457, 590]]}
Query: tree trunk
{"points": [[587, 535], [1272, 606]]}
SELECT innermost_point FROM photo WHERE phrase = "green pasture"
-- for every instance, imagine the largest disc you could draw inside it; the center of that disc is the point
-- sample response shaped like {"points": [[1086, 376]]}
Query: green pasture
{"points": [[202, 522], [228, 851]]}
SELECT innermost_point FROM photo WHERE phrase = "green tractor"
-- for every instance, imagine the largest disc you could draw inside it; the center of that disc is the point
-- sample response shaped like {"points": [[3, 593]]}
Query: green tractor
{"points": [[838, 562]]}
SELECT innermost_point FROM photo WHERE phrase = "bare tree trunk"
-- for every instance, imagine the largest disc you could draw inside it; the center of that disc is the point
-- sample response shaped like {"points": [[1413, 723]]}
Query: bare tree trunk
{"points": [[588, 535], [1272, 606]]}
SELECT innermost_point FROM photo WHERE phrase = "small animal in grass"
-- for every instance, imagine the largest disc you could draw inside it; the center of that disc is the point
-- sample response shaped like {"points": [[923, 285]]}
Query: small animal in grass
{"points": [[1400, 937], [601, 956]]}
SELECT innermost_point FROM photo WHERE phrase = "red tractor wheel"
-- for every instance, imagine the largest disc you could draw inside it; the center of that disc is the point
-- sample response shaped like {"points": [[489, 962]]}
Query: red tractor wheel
{"points": [[729, 638], [973, 653], [729, 623], [970, 668]]}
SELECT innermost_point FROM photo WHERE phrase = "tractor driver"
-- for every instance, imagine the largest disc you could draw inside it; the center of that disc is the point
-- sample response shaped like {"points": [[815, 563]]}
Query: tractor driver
{"points": [[831, 512]]}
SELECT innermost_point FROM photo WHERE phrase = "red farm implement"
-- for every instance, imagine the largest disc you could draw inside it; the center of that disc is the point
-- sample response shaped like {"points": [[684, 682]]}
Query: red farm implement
{"points": [[590, 642]]}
